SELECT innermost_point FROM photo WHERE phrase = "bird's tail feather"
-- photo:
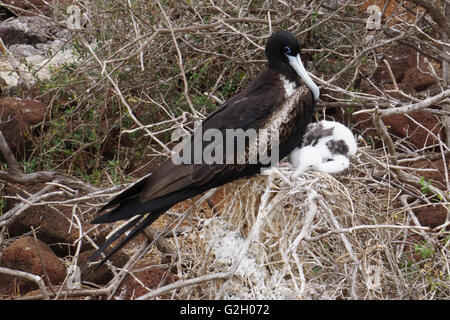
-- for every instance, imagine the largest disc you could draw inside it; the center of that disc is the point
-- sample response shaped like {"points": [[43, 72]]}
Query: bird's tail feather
{"points": [[125, 210], [133, 206], [127, 194], [139, 223], [116, 235]]}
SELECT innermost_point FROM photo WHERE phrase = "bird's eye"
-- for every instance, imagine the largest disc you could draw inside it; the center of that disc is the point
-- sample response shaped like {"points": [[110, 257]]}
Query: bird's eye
{"points": [[287, 49]]}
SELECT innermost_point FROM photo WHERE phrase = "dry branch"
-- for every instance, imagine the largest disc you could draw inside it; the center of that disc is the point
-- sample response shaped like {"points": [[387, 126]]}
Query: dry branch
{"points": [[28, 276], [417, 106]]}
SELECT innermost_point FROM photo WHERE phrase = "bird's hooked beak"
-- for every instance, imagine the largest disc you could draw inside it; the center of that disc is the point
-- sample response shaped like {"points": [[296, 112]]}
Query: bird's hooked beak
{"points": [[297, 64]]}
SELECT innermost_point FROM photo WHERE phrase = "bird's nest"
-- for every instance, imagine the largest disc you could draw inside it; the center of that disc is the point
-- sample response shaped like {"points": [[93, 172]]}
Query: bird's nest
{"points": [[313, 237], [275, 236]]}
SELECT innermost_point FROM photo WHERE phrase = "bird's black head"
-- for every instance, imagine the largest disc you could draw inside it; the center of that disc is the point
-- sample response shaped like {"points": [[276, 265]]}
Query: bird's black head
{"points": [[283, 53], [280, 45]]}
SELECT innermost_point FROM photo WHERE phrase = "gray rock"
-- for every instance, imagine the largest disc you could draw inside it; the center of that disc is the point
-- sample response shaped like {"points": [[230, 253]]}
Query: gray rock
{"points": [[24, 50], [31, 46], [25, 30]]}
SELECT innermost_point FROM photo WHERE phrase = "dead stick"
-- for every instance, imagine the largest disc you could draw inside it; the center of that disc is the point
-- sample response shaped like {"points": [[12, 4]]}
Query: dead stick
{"points": [[13, 165], [41, 260]]}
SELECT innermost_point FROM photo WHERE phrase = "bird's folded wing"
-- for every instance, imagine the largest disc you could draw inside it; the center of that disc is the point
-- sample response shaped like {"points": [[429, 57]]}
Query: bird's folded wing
{"points": [[244, 113]]}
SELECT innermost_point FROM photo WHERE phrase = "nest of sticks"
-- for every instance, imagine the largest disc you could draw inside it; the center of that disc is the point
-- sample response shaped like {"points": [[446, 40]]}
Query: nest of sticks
{"points": [[317, 236], [276, 236]]}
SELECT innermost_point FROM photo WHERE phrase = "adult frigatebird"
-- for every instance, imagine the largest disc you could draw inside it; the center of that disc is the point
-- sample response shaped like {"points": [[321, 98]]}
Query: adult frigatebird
{"points": [[280, 98]]}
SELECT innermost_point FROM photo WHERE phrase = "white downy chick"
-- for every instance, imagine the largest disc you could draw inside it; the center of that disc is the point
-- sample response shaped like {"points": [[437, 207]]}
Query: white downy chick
{"points": [[304, 159], [330, 138], [326, 147]]}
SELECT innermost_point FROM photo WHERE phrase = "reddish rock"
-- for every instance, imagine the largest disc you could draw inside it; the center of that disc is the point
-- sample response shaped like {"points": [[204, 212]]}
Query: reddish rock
{"points": [[389, 89], [31, 111], [34, 6], [418, 80], [438, 177], [24, 255], [151, 278], [16, 117], [401, 126], [401, 59], [52, 228], [52, 224], [103, 275], [13, 128], [431, 216]]}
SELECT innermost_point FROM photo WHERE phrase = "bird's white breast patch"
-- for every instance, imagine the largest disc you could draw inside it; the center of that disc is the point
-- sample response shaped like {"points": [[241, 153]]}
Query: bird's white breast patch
{"points": [[289, 86]]}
